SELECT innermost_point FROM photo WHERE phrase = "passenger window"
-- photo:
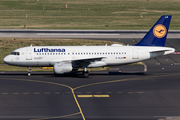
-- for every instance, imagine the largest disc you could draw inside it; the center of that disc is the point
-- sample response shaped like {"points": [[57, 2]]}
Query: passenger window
{"points": [[39, 53], [42, 53]]}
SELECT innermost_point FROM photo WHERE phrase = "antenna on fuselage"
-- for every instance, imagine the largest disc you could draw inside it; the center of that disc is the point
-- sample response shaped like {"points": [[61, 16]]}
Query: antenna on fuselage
{"points": [[105, 44], [31, 45]]}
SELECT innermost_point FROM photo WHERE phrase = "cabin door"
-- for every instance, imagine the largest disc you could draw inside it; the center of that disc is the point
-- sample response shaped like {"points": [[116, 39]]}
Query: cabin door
{"points": [[29, 54], [135, 53]]}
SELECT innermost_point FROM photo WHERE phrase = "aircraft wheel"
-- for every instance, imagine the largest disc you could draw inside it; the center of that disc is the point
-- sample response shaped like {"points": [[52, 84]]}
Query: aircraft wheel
{"points": [[86, 74], [29, 74]]}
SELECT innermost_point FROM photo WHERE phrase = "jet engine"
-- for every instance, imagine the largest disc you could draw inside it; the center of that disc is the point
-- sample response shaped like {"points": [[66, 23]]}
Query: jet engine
{"points": [[62, 67]]}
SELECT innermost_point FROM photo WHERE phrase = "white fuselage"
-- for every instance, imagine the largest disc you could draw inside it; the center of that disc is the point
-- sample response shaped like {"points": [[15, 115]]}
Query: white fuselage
{"points": [[42, 56]]}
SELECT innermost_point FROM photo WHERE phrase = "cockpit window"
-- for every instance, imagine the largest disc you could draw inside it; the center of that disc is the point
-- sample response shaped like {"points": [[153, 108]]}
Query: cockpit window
{"points": [[15, 53]]}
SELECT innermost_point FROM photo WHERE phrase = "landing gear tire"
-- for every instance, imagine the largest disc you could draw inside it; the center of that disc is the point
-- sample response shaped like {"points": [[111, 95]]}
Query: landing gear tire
{"points": [[29, 74], [85, 74]]}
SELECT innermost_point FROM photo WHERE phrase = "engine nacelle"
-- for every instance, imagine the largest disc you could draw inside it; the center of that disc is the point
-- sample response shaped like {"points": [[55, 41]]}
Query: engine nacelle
{"points": [[62, 67]]}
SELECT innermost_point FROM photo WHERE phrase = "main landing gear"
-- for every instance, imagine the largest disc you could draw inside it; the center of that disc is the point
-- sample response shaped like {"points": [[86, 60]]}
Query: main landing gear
{"points": [[29, 71], [85, 73]]}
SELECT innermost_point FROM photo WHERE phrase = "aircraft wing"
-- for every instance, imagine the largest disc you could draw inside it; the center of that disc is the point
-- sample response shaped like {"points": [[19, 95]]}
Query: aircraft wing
{"points": [[88, 59], [84, 62], [78, 61]]}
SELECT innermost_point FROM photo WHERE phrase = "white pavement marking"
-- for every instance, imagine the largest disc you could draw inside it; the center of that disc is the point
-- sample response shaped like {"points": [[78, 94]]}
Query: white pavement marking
{"points": [[71, 34]]}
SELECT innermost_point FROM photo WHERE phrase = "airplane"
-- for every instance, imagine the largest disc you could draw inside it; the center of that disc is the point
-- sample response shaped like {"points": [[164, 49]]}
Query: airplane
{"points": [[65, 59]]}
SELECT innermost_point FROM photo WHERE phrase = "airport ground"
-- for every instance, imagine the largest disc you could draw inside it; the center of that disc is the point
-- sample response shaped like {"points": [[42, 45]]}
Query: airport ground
{"points": [[121, 93], [104, 95]]}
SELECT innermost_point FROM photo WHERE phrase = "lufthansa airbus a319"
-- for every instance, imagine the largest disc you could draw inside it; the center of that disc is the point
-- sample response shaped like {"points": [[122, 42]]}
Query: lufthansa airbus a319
{"points": [[65, 59]]}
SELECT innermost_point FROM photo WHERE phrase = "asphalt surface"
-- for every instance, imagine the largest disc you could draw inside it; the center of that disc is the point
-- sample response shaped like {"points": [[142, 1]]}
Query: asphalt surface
{"points": [[122, 93], [104, 95], [95, 34]]}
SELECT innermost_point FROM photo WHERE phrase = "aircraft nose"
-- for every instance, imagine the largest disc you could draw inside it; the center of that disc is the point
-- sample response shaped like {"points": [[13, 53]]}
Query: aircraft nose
{"points": [[6, 60]]}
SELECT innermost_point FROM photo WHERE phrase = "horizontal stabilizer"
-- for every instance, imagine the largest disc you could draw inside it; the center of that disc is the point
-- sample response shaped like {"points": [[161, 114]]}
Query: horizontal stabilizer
{"points": [[166, 50], [158, 51]]}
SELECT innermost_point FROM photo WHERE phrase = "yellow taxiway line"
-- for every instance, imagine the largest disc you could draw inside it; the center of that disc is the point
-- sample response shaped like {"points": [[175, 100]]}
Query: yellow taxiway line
{"points": [[82, 96]]}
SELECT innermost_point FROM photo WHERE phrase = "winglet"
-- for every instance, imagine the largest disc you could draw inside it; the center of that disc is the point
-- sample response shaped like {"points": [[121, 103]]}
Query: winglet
{"points": [[157, 34]]}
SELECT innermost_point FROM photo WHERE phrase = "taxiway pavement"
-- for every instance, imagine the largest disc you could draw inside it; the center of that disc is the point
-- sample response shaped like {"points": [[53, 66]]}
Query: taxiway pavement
{"points": [[124, 93], [80, 33], [104, 95]]}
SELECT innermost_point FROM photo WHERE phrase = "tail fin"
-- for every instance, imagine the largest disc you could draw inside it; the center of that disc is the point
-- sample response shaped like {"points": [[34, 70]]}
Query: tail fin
{"points": [[157, 34]]}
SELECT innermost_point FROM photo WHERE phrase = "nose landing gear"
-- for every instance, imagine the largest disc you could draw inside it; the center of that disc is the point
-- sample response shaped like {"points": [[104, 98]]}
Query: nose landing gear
{"points": [[29, 71]]}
